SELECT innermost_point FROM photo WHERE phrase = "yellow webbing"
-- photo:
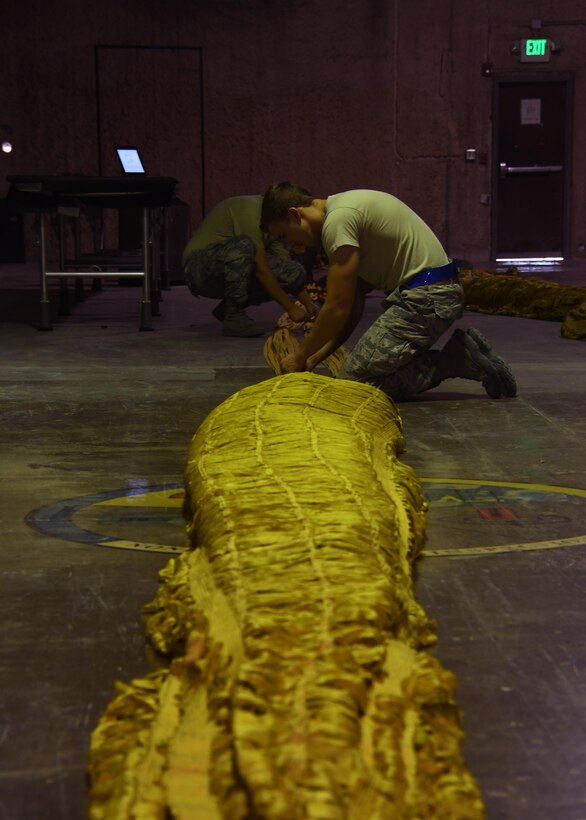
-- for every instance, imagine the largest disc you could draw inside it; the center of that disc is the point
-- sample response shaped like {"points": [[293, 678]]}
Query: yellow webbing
{"points": [[297, 686]]}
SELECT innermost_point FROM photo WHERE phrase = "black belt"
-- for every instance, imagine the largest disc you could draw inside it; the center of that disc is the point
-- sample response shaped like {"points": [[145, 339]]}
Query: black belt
{"points": [[430, 275]]}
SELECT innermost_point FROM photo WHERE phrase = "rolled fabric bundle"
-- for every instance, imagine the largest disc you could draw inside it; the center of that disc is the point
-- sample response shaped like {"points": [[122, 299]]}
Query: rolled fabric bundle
{"points": [[509, 294], [296, 683], [277, 345], [283, 341], [574, 324]]}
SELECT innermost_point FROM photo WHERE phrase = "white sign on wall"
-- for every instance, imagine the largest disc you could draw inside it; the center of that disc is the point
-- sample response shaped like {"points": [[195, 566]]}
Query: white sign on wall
{"points": [[531, 112]]}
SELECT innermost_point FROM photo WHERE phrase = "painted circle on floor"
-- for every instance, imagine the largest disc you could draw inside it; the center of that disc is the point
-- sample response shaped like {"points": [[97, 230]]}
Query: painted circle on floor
{"points": [[515, 517]]}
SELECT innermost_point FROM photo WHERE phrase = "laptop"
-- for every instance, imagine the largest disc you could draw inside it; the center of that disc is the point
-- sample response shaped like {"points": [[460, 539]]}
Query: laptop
{"points": [[130, 159]]}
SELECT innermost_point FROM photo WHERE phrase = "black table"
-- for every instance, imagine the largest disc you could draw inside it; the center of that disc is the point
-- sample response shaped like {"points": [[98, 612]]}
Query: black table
{"points": [[68, 195]]}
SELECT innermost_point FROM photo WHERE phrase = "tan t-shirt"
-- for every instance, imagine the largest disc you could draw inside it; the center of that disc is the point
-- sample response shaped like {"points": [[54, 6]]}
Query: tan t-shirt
{"points": [[236, 216], [394, 243]]}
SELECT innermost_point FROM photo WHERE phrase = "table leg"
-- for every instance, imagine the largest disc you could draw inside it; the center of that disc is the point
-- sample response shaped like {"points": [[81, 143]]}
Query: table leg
{"points": [[146, 314], [45, 303]]}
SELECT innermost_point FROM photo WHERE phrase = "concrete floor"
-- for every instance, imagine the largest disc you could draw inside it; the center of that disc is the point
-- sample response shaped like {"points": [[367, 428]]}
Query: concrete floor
{"points": [[97, 415]]}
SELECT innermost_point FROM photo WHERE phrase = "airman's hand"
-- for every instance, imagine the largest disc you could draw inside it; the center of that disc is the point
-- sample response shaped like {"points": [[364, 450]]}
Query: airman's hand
{"points": [[292, 363], [297, 313]]}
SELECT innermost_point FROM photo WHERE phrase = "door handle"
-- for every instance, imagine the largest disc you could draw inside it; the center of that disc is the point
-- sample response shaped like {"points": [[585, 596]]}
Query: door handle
{"points": [[505, 169]]}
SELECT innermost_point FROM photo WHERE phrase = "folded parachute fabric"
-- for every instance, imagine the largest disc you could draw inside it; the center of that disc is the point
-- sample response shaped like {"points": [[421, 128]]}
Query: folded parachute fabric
{"points": [[283, 340], [296, 682], [510, 294]]}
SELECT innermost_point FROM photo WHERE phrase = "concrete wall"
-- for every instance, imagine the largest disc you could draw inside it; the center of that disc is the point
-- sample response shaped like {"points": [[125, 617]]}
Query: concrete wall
{"points": [[334, 94]]}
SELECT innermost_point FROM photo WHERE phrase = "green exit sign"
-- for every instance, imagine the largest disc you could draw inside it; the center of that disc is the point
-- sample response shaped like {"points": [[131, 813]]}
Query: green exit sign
{"points": [[535, 50]]}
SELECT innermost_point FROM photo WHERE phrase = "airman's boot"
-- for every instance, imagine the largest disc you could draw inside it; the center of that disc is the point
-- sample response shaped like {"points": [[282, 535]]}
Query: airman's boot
{"points": [[237, 323], [468, 355], [508, 383]]}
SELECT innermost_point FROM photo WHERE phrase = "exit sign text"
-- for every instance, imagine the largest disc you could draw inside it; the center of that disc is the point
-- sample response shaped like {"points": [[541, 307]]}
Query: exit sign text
{"points": [[535, 50]]}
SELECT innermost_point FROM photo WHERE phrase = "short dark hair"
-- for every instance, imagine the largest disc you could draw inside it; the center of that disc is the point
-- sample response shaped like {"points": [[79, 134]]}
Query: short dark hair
{"points": [[279, 198]]}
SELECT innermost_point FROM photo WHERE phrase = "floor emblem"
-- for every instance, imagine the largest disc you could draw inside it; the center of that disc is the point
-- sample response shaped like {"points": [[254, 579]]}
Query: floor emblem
{"points": [[466, 518]]}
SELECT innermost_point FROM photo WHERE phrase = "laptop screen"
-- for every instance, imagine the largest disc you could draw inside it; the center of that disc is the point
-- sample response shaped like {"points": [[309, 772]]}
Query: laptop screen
{"points": [[130, 160]]}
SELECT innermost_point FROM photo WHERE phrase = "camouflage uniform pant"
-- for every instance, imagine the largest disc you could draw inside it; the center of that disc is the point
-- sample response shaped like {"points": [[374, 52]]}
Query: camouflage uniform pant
{"points": [[394, 353], [226, 270]]}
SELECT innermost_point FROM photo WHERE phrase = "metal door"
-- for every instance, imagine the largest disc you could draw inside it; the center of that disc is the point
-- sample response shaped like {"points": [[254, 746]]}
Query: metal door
{"points": [[531, 174]]}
